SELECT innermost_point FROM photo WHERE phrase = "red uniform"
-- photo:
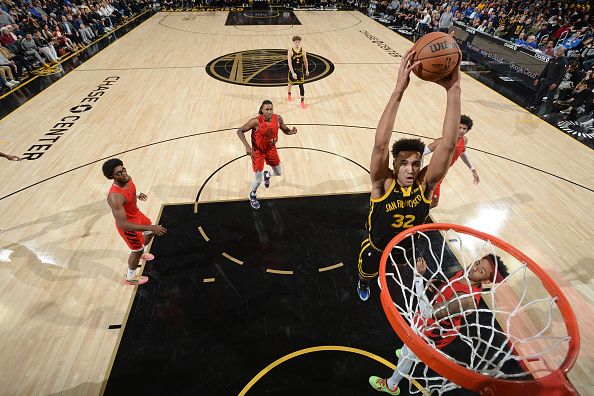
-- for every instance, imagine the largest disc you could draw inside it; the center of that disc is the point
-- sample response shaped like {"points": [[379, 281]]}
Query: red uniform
{"points": [[458, 150], [264, 140], [134, 239], [444, 331]]}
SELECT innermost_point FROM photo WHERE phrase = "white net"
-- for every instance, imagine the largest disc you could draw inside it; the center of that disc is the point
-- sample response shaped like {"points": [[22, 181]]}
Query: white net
{"points": [[513, 329]]}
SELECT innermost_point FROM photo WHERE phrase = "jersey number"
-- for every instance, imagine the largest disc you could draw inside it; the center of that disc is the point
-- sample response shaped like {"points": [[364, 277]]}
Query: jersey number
{"points": [[400, 223]]}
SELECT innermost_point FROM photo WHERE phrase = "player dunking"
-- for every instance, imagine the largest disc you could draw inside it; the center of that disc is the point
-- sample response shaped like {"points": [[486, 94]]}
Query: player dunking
{"points": [[401, 198], [131, 223], [459, 152], [297, 59], [439, 321], [263, 149]]}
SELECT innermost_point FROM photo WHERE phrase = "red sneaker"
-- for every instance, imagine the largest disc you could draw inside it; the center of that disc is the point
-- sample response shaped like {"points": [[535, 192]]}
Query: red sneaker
{"points": [[147, 257]]}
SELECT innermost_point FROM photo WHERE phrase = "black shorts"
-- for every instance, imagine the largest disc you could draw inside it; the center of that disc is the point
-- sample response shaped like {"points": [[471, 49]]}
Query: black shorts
{"points": [[298, 80], [369, 259]]}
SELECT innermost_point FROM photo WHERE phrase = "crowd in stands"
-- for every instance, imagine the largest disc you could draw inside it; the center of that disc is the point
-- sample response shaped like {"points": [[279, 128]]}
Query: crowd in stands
{"points": [[562, 30], [37, 33]]}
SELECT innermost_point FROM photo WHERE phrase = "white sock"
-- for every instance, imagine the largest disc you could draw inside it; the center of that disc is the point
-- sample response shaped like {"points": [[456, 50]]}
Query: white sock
{"points": [[405, 363], [276, 171], [131, 274], [258, 177]]}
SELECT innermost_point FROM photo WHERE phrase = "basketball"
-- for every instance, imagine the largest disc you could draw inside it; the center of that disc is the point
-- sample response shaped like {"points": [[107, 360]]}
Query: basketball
{"points": [[439, 56]]}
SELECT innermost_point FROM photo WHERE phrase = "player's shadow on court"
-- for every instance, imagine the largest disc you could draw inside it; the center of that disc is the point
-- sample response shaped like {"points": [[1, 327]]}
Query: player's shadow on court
{"points": [[82, 264], [91, 212]]}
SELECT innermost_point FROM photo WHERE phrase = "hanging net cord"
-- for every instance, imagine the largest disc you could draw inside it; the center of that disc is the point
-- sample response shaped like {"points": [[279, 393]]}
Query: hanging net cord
{"points": [[488, 347]]}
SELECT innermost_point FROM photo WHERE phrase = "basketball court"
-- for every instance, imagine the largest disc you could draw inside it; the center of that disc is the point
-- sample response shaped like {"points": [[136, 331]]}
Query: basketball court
{"points": [[272, 293]]}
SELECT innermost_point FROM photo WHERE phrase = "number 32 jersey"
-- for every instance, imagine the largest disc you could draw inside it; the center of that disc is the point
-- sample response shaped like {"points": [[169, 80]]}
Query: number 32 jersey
{"points": [[400, 208]]}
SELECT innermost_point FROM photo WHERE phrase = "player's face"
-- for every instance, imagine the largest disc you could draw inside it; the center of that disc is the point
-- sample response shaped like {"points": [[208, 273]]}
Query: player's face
{"points": [[296, 44], [480, 271], [462, 130], [267, 111], [120, 175], [407, 164]]}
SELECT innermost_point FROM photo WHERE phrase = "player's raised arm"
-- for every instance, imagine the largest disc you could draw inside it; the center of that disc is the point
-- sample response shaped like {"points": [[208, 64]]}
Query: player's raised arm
{"points": [[442, 156], [380, 155]]}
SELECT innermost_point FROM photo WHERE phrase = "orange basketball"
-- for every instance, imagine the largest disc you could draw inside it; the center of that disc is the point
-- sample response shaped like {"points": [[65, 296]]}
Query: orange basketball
{"points": [[439, 56]]}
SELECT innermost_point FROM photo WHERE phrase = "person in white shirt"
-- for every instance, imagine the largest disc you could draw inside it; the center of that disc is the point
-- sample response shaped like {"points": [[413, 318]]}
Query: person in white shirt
{"points": [[425, 22]]}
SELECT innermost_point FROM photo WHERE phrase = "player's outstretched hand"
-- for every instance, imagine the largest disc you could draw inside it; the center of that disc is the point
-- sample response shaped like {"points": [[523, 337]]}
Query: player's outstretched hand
{"points": [[475, 177], [293, 131], [12, 157], [142, 196], [158, 230], [406, 67], [421, 265]]}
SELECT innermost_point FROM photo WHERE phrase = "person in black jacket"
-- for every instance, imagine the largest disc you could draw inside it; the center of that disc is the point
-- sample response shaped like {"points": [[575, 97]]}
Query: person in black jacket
{"points": [[549, 80]]}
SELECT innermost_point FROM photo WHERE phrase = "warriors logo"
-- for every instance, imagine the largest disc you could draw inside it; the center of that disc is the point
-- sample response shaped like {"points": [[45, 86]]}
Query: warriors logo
{"points": [[264, 68]]}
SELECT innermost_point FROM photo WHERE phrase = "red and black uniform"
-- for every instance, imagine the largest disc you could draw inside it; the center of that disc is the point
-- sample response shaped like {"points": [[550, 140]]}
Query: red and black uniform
{"points": [[445, 330], [134, 239], [458, 150], [264, 140]]}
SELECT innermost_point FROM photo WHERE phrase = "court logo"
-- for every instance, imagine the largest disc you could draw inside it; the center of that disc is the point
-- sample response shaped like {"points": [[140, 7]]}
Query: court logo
{"points": [[264, 68]]}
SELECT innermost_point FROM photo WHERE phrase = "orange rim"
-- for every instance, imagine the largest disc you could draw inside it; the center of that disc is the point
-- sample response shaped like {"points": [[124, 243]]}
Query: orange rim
{"points": [[555, 383]]}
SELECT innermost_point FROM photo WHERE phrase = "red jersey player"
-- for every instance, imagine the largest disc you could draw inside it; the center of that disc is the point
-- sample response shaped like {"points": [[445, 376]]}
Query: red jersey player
{"points": [[131, 223], [459, 152], [263, 149], [440, 321]]}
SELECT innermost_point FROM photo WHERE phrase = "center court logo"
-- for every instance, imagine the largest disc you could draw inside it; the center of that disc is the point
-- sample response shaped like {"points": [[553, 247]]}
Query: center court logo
{"points": [[263, 68]]}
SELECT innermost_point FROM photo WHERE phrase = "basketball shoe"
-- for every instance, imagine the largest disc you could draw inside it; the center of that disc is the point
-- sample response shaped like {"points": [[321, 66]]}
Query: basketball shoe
{"points": [[363, 290], [136, 281], [380, 384], [254, 201]]}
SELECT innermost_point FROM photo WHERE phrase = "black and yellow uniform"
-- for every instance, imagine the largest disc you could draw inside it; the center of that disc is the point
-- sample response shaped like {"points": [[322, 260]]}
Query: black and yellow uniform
{"points": [[298, 64], [400, 208]]}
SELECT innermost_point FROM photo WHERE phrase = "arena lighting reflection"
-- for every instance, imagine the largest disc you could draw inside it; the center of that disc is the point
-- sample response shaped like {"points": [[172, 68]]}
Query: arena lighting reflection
{"points": [[5, 255], [489, 220]]}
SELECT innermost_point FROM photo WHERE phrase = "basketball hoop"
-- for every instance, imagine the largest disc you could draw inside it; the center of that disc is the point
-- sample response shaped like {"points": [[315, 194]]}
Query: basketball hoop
{"points": [[483, 373]]}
